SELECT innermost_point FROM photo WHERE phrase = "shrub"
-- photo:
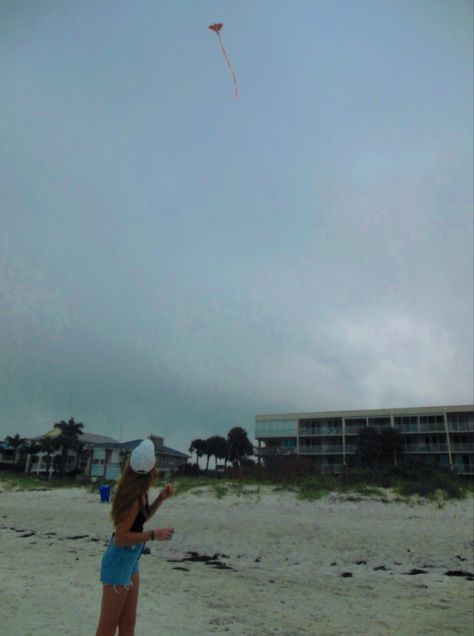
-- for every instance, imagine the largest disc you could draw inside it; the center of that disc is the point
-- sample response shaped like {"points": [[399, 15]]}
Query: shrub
{"points": [[317, 486], [448, 483], [13, 468], [289, 468]]}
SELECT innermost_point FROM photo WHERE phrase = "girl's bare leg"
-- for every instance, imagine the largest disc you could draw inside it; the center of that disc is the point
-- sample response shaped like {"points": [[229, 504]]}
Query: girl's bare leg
{"points": [[129, 613], [113, 602]]}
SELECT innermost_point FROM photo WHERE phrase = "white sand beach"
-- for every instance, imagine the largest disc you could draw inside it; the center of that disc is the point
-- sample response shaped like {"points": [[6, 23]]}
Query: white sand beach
{"points": [[332, 567]]}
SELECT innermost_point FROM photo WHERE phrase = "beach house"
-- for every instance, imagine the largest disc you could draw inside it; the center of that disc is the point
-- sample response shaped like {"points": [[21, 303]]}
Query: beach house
{"points": [[42, 460], [109, 457], [95, 456], [437, 435]]}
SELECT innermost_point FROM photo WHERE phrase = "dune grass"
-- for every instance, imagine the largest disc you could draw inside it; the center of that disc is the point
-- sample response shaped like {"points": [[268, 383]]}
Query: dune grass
{"points": [[219, 487], [428, 484], [398, 485], [19, 481]]}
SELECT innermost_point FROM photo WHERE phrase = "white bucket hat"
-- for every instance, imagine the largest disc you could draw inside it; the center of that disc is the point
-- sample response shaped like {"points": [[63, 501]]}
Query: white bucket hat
{"points": [[143, 459]]}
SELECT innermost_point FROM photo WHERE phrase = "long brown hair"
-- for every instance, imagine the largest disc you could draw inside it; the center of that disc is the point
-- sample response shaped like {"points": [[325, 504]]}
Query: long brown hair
{"points": [[131, 487]]}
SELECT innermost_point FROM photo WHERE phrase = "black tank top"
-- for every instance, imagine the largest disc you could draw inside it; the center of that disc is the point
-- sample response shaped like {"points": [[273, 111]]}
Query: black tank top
{"points": [[137, 525]]}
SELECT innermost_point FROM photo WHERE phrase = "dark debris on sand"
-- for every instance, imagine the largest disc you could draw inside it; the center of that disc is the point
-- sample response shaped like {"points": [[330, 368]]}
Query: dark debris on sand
{"points": [[213, 561]]}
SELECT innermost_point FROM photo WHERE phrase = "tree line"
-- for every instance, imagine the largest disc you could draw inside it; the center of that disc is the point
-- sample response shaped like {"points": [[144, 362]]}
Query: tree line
{"points": [[373, 448], [235, 448], [68, 439]]}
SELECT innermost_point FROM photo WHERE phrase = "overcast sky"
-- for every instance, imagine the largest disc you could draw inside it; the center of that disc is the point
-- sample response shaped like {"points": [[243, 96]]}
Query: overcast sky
{"points": [[175, 261]]}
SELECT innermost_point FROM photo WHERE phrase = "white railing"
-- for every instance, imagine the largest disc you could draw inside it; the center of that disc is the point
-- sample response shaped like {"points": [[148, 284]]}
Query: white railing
{"points": [[425, 448], [315, 449], [457, 447], [278, 450], [421, 428], [462, 447], [320, 431], [463, 427]]}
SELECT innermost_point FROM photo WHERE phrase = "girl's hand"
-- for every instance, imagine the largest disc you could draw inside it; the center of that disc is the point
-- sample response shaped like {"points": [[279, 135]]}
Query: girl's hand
{"points": [[163, 534], [166, 492]]}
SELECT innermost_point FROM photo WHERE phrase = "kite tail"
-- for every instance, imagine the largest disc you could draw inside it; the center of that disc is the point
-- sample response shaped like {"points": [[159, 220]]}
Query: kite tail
{"points": [[236, 87]]}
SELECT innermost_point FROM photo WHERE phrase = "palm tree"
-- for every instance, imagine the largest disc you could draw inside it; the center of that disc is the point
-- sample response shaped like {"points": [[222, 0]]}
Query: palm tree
{"points": [[369, 449], [391, 442], [239, 445], [35, 447], [217, 447], [48, 445], [207, 450], [68, 439], [221, 449], [197, 446], [16, 442], [374, 448]]}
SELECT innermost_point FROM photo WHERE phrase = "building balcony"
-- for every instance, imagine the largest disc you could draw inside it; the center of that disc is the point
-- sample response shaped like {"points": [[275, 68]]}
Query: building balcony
{"points": [[420, 428], [334, 449], [425, 448], [461, 427], [462, 447], [313, 449], [273, 451], [456, 447], [321, 431]]}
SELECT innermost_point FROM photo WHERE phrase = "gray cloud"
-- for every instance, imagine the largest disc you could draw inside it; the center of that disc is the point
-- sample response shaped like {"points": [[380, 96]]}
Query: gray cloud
{"points": [[175, 263]]}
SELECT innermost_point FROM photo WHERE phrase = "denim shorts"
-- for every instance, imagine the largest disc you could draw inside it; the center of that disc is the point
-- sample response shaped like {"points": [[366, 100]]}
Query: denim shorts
{"points": [[119, 564]]}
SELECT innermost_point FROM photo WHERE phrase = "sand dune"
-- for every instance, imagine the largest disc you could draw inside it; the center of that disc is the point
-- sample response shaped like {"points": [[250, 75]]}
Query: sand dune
{"points": [[275, 566]]}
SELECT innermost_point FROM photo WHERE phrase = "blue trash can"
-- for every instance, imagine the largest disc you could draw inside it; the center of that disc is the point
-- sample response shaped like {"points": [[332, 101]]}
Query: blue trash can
{"points": [[104, 493]]}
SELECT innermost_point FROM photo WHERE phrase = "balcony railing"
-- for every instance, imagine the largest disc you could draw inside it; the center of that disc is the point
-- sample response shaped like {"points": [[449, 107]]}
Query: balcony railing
{"points": [[456, 447], [320, 431], [462, 447], [463, 427], [420, 428], [317, 449], [274, 451], [425, 448]]}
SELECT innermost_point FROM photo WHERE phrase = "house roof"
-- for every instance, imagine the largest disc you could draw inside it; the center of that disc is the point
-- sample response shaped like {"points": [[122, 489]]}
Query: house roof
{"points": [[102, 441], [87, 438], [92, 438], [166, 450], [6, 445], [162, 450]]}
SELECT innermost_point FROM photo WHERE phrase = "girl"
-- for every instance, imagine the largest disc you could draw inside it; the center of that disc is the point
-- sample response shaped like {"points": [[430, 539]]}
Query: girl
{"points": [[119, 569]]}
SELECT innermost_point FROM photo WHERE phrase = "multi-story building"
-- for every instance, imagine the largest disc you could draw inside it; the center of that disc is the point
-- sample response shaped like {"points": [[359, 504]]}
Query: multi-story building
{"points": [[438, 435]]}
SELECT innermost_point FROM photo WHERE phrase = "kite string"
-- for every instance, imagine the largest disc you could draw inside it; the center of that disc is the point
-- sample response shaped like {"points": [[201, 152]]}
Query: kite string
{"points": [[236, 87]]}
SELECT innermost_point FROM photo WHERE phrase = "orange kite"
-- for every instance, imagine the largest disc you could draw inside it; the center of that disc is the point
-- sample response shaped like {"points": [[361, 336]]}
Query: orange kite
{"points": [[216, 28]]}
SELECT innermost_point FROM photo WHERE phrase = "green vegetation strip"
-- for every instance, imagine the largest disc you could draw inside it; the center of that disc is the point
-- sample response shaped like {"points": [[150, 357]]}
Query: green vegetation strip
{"points": [[16, 481], [437, 486]]}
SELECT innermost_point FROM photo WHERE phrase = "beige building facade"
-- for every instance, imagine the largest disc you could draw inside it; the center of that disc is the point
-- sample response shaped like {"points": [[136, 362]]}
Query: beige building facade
{"points": [[437, 435]]}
